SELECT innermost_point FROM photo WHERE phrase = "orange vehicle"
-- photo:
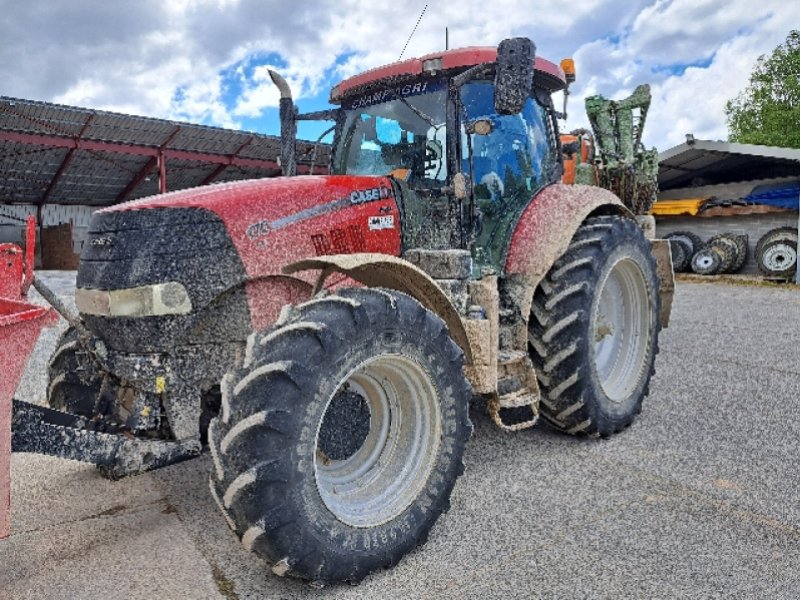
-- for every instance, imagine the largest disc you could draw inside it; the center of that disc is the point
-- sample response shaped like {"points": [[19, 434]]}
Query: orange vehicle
{"points": [[577, 148]]}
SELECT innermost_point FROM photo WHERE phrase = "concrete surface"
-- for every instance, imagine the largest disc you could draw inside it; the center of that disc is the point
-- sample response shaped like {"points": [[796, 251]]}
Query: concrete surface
{"points": [[698, 499]]}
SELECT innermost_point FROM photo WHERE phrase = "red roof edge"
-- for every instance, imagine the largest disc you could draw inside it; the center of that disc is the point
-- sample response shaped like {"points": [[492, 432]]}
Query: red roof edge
{"points": [[450, 59]]}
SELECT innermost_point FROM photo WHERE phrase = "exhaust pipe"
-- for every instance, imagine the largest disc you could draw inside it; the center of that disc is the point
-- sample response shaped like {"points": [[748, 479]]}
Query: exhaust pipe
{"points": [[288, 126]]}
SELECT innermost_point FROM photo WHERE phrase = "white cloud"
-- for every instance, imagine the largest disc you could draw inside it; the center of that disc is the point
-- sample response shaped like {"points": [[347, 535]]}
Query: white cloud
{"points": [[661, 41]]}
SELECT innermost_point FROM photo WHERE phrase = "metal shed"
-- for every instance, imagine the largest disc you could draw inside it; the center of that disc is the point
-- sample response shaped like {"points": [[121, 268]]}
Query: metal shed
{"points": [[67, 155], [62, 162], [731, 172]]}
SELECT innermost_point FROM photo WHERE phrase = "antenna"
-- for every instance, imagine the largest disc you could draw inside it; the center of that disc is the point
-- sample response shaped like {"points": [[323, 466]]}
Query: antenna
{"points": [[424, 8], [446, 39]]}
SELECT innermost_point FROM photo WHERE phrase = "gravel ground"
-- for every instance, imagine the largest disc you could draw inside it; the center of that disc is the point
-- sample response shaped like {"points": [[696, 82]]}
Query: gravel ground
{"points": [[698, 499]]}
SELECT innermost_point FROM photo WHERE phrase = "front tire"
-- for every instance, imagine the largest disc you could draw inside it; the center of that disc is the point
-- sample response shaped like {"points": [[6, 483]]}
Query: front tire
{"points": [[340, 439], [593, 329]]}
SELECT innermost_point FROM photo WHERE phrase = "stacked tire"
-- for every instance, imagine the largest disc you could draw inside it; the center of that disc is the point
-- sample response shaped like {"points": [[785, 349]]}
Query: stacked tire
{"points": [[683, 245], [724, 253], [709, 260], [776, 253], [730, 249]]}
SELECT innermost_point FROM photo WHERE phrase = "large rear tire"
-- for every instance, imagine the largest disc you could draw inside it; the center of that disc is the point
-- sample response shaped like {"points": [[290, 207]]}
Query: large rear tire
{"points": [[593, 329], [342, 435]]}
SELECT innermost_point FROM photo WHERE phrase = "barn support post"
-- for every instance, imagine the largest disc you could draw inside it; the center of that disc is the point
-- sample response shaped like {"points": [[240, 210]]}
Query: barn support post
{"points": [[162, 172]]}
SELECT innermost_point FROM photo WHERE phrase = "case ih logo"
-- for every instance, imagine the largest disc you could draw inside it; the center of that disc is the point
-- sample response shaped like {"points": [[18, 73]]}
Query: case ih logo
{"points": [[102, 241], [370, 195]]}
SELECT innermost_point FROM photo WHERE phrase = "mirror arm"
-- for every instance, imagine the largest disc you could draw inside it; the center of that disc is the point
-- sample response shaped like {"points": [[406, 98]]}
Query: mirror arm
{"points": [[320, 115], [471, 73]]}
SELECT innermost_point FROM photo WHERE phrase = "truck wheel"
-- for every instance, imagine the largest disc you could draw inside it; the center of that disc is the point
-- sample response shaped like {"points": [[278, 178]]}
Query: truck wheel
{"points": [[341, 437], [778, 257], [708, 261], [694, 241], [72, 386], [742, 242], [681, 254], [728, 249], [593, 329], [786, 232]]}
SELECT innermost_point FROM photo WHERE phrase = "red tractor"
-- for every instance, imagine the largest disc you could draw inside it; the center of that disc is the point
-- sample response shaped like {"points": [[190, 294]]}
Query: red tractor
{"points": [[324, 335]]}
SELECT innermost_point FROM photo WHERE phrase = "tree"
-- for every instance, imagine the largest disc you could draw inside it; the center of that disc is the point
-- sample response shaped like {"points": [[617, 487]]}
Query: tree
{"points": [[767, 112]]}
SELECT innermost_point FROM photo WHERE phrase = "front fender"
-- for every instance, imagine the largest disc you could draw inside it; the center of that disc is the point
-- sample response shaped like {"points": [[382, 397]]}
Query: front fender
{"points": [[543, 233], [548, 224], [381, 270]]}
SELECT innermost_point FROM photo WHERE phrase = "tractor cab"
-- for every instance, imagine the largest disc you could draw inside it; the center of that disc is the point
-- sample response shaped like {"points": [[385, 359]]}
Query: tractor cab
{"points": [[467, 137]]}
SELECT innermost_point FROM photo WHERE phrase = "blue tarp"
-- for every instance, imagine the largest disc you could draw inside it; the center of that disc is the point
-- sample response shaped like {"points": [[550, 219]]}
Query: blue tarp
{"points": [[783, 195]]}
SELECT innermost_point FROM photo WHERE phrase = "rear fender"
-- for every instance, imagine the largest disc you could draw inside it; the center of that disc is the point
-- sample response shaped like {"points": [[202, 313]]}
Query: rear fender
{"points": [[543, 234], [381, 270]]}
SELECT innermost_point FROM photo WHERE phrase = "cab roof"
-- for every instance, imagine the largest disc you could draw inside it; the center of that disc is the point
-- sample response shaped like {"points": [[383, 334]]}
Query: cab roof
{"points": [[548, 74]]}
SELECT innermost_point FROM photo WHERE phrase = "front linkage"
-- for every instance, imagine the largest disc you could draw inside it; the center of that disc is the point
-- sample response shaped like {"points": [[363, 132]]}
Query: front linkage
{"points": [[41, 430], [86, 437]]}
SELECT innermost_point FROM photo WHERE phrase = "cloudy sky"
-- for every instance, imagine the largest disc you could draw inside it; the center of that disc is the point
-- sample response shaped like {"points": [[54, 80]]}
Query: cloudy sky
{"points": [[205, 61]]}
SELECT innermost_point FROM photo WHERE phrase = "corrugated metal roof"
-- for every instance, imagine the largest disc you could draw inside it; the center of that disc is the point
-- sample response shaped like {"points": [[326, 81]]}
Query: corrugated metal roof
{"points": [[704, 162], [69, 155]]}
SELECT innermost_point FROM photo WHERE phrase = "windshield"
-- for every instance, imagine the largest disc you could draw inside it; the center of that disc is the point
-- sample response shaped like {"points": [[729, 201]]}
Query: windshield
{"points": [[398, 131]]}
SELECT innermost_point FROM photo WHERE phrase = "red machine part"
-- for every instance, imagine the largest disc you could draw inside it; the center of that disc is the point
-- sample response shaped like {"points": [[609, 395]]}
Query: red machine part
{"points": [[12, 271], [548, 72], [20, 324], [16, 265], [540, 237]]}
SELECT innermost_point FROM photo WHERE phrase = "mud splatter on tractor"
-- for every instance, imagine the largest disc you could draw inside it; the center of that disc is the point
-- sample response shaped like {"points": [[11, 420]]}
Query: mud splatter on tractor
{"points": [[323, 335]]}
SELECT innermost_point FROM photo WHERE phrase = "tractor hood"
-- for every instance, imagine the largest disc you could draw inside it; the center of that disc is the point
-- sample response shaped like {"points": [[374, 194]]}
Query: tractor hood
{"points": [[274, 221], [163, 263]]}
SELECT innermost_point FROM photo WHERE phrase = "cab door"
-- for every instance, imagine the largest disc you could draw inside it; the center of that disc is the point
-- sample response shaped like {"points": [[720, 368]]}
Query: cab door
{"points": [[507, 158]]}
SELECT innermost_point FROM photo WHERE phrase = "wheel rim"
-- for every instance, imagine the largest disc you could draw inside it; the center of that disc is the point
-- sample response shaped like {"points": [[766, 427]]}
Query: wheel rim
{"points": [[382, 477], [621, 329], [780, 257], [705, 262]]}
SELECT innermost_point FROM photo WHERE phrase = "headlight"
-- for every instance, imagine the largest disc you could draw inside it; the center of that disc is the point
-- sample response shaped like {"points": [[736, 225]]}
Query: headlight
{"points": [[146, 301]]}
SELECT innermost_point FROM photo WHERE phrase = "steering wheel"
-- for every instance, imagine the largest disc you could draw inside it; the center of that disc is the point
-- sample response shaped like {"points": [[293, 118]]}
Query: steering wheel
{"points": [[433, 155]]}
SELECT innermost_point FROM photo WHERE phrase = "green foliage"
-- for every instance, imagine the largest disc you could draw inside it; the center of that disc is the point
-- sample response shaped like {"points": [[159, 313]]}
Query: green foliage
{"points": [[768, 111]]}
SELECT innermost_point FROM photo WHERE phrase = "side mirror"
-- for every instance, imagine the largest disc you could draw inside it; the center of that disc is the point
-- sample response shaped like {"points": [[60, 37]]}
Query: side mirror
{"points": [[513, 78]]}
